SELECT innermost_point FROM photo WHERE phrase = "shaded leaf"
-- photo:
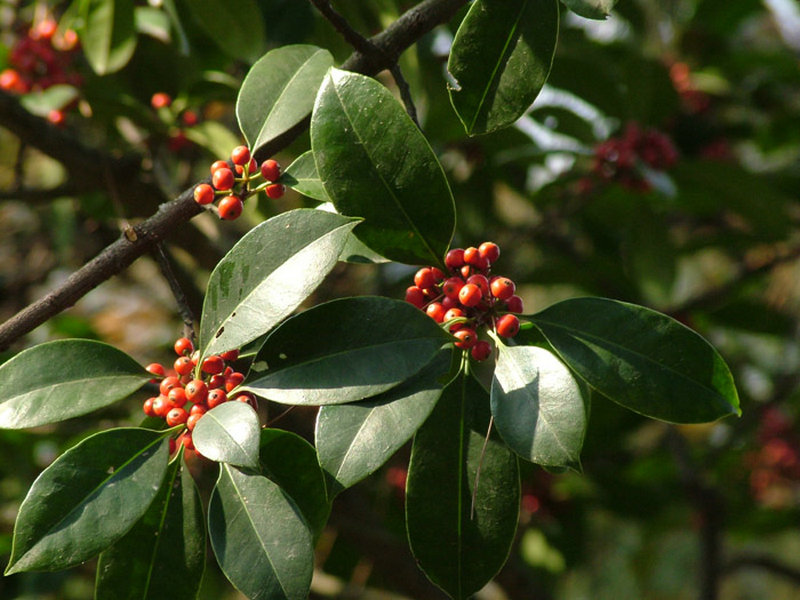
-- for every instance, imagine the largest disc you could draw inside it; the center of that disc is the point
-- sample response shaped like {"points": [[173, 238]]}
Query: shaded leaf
{"points": [[302, 177], [375, 163], [235, 26], [259, 538], [229, 433], [355, 250], [108, 35], [641, 359], [591, 9], [59, 380], [500, 59], [88, 498], [343, 351]]}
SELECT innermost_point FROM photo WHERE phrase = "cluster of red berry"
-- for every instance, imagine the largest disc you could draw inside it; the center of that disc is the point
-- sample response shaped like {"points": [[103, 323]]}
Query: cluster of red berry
{"points": [[775, 466], [236, 187], [620, 159], [176, 118], [469, 298], [200, 389], [41, 58]]}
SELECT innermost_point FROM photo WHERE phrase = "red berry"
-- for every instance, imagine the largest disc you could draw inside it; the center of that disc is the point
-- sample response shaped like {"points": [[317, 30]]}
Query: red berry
{"points": [[415, 296], [167, 384], [489, 251], [192, 420], [472, 256], [466, 338], [454, 313], [216, 397], [425, 278], [454, 259], [230, 208], [507, 325], [177, 396], [160, 100], [176, 416], [240, 155], [436, 311], [147, 407], [185, 440], [271, 170], [217, 165], [249, 398], [514, 304], [213, 364], [251, 168], [481, 350], [448, 303], [198, 409], [481, 281], [216, 382], [56, 117], [275, 190], [204, 194], [502, 288], [470, 295], [230, 355], [190, 118], [223, 179], [452, 287], [45, 29], [155, 369], [183, 346], [11, 81], [183, 365], [233, 380], [196, 391], [161, 406], [466, 271]]}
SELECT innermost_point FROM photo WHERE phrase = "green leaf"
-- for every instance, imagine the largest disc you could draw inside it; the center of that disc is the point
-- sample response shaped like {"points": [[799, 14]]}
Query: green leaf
{"points": [[58, 380], [538, 406], [108, 35], [458, 551], [291, 462], [88, 498], [354, 440], [500, 59], [279, 90], [56, 97], [591, 9], [355, 250], [267, 274], [229, 433], [343, 351], [302, 177], [259, 538], [375, 163], [235, 26], [164, 553], [213, 136], [641, 359]]}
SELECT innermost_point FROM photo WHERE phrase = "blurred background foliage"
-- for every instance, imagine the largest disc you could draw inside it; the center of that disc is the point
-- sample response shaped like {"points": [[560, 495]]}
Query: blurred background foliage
{"points": [[660, 165]]}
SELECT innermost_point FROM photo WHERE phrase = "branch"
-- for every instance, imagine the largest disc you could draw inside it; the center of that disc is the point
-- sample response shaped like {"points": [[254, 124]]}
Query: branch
{"points": [[765, 562], [39, 194], [401, 34]]}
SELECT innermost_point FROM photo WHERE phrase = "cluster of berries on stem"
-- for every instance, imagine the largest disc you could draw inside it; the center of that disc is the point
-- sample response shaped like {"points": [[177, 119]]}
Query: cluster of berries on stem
{"points": [[469, 298], [235, 185], [176, 116], [188, 390]]}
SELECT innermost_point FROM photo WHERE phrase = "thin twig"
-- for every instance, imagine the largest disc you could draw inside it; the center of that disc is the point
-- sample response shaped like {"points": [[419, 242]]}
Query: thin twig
{"points": [[405, 93], [177, 291], [39, 194]]}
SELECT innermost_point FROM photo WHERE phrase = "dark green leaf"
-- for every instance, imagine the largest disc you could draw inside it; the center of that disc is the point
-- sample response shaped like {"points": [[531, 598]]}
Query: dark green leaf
{"points": [[108, 35], [641, 359], [375, 163], [591, 9], [355, 250], [500, 59], [267, 274], [229, 433], [164, 553], [58, 380], [279, 91], [291, 462], [538, 407], [236, 26], [354, 440], [259, 538], [88, 498], [343, 351], [459, 551], [302, 177]]}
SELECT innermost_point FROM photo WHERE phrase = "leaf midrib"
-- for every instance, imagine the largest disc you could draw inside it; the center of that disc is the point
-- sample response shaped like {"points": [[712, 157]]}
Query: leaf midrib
{"points": [[82, 380]]}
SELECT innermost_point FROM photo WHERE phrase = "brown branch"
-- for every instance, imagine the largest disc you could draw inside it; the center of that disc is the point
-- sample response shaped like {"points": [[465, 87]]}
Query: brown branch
{"points": [[39, 194], [126, 172]]}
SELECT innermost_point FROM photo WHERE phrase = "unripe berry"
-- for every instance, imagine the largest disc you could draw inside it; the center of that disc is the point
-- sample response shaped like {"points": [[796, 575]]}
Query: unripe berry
{"points": [[183, 365], [470, 295], [425, 278], [230, 208], [167, 384], [502, 288], [481, 350], [489, 251], [176, 416], [204, 194], [452, 287], [213, 364], [217, 165], [481, 281], [160, 100], [436, 311], [275, 190], [240, 155], [454, 259], [514, 304], [223, 179], [271, 170], [507, 325], [177, 396], [466, 338], [415, 296], [183, 346], [215, 398]]}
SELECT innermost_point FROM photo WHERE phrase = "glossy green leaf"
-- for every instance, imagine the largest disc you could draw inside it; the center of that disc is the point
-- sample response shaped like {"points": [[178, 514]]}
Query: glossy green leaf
{"points": [[302, 176], [641, 359], [108, 35], [229, 433], [375, 163], [591, 9], [354, 249], [354, 440], [538, 407], [343, 351], [235, 26], [259, 538], [58, 380], [267, 274], [88, 498], [279, 90], [291, 462], [458, 550], [500, 59], [164, 553]]}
